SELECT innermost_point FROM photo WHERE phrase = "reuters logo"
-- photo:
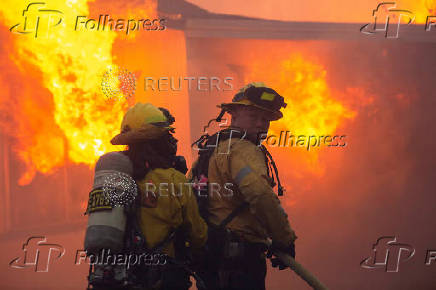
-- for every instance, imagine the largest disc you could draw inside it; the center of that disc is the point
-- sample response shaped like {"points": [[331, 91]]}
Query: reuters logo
{"points": [[118, 82], [119, 189]]}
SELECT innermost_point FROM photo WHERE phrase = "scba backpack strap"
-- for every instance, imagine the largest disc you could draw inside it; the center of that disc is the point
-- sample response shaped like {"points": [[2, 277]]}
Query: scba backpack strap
{"points": [[173, 270], [142, 275], [206, 145], [136, 241]]}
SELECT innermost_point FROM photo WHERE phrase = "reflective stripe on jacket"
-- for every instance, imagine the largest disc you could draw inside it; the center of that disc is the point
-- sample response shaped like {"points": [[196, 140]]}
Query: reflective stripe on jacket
{"points": [[242, 163]]}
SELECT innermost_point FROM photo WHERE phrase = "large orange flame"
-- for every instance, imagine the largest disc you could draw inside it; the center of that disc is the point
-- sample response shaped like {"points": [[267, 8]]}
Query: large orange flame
{"points": [[71, 64], [312, 108], [421, 8]]}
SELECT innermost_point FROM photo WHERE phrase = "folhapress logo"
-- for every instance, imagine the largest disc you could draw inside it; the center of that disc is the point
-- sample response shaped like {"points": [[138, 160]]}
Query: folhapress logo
{"points": [[38, 254], [388, 19], [36, 19], [388, 254]]}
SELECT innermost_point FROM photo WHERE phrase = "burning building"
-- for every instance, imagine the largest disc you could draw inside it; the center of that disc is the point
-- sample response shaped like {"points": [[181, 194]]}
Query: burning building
{"points": [[376, 91]]}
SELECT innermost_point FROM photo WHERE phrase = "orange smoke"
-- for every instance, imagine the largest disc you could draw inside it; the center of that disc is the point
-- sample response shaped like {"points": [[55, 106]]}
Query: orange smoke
{"points": [[359, 11]]}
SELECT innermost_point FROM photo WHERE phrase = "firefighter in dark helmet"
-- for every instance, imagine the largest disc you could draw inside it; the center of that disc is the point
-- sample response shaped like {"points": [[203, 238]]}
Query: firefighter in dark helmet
{"points": [[243, 223]]}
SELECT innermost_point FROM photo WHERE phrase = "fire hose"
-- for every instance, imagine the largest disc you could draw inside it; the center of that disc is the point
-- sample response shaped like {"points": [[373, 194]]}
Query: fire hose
{"points": [[290, 262]]}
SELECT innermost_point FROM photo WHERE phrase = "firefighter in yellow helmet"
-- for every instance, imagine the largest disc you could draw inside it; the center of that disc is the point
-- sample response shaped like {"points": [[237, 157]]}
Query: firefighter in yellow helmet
{"points": [[164, 219], [243, 221]]}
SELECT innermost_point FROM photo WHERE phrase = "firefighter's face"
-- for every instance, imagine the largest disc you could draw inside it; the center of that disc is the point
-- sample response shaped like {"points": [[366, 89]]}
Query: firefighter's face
{"points": [[251, 119]]}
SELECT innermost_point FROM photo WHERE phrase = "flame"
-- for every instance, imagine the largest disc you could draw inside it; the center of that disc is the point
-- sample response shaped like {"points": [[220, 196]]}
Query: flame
{"points": [[74, 121], [312, 108], [421, 9]]}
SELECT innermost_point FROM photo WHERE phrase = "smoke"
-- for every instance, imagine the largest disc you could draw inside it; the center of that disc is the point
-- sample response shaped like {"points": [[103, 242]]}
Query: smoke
{"points": [[381, 183], [314, 11]]}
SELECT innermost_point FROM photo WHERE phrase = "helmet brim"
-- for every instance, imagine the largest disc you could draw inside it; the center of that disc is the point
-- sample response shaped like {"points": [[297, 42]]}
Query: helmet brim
{"points": [[275, 115], [148, 132]]}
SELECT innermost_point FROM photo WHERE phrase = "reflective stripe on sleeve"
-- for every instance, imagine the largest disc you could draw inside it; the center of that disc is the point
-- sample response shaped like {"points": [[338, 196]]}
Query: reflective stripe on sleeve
{"points": [[242, 173]]}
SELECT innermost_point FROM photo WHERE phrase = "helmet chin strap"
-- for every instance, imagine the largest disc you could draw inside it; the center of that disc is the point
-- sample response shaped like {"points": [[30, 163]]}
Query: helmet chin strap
{"points": [[220, 116]]}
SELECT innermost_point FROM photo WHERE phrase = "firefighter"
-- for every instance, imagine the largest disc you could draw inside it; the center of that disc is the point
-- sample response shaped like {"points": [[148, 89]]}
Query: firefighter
{"points": [[242, 224], [162, 223]]}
